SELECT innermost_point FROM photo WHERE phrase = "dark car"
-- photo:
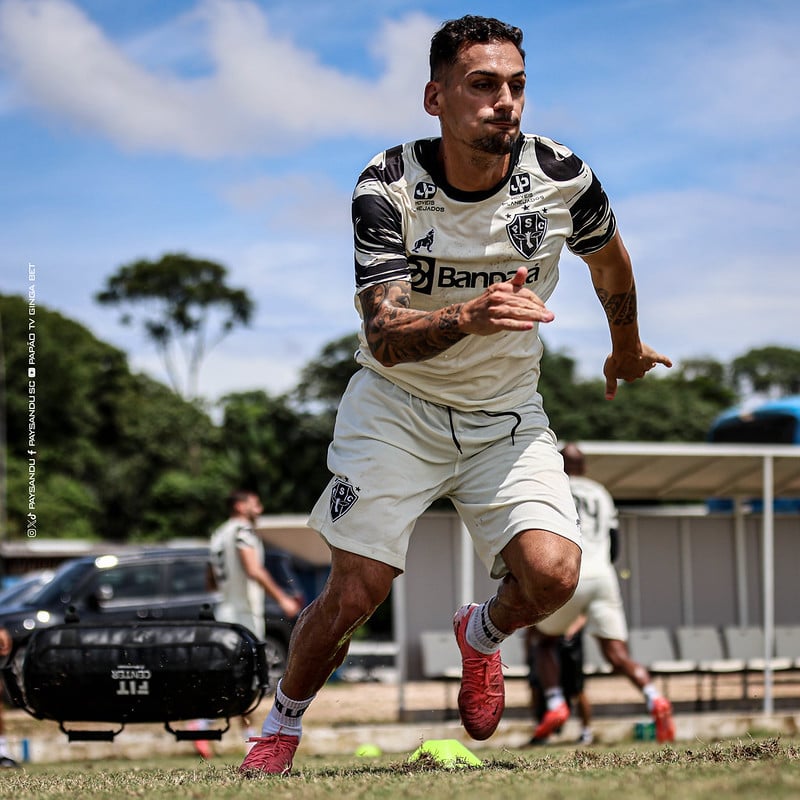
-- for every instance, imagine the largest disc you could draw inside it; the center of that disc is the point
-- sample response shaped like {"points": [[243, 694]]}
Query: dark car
{"points": [[151, 584], [22, 588]]}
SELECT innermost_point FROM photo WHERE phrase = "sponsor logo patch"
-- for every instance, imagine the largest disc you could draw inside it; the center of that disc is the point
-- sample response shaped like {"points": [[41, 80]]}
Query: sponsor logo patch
{"points": [[426, 241], [424, 190], [422, 270], [520, 183]]}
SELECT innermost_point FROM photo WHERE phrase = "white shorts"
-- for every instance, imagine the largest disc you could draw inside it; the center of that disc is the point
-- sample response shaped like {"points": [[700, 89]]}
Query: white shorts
{"points": [[598, 597], [393, 454]]}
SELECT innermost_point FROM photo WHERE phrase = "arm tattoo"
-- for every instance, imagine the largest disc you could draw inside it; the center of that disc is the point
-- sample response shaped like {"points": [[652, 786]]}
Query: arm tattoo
{"points": [[620, 308], [396, 333]]}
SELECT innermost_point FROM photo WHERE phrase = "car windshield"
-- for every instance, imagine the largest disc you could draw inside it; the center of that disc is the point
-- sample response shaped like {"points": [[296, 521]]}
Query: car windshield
{"points": [[61, 587], [21, 590]]}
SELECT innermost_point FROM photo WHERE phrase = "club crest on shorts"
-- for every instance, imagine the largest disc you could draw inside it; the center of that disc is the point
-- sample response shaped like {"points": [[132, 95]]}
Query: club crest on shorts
{"points": [[343, 498], [526, 232]]}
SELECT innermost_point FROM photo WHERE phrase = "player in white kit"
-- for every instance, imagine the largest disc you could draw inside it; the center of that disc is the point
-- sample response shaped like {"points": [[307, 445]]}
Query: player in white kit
{"points": [[457, 241], [597, 598]]}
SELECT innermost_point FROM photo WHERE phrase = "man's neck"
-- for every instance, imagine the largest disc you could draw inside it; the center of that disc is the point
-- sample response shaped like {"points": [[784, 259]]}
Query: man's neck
{"points": [[472, 171]]}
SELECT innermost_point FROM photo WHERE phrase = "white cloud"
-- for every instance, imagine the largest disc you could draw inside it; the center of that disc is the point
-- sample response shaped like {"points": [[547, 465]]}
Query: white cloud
{"points": [[306, 204], [264, 94], [743, 74]]}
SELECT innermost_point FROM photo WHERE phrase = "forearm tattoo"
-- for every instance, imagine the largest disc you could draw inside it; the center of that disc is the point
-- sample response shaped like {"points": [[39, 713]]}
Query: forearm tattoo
{"points": [[620, 308], [396, 333]]}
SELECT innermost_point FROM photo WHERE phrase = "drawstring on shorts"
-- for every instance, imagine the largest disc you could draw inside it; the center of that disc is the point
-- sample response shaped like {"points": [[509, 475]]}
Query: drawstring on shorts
{"points": [[513, 414], [453, 430], [517, 422]]}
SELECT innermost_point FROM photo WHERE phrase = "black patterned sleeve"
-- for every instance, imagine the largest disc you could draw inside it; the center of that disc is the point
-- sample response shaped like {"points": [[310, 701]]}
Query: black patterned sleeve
{"points": [[379, 249], [593, 221]]}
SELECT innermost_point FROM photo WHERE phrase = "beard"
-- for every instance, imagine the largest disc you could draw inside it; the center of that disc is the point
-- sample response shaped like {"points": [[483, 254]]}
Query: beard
{"points": [[496, 144]]}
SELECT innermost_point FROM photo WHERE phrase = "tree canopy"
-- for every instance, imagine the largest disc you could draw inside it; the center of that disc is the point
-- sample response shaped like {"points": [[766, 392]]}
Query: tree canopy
{"points": [[187, 308], [105, 437], [770, 370]]}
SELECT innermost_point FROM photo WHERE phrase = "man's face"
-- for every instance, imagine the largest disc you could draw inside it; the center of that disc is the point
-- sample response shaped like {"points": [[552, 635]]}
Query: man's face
{"points": [[250, 507], [479, 100]]}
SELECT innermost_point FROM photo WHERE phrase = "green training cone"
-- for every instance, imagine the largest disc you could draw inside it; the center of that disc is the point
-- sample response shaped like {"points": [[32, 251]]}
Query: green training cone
{"points": [[449, 753]]}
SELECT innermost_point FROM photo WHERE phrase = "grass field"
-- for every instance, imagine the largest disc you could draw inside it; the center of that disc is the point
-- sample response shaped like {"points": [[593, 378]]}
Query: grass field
{"points": [[757, 768]]}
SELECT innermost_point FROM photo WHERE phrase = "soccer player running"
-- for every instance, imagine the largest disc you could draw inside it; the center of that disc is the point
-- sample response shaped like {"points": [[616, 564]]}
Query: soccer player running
{"points": [[598, 598], [457, 241]]}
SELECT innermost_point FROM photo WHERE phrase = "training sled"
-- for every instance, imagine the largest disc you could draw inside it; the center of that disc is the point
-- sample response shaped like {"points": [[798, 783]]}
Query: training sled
{"points": [[160, 671]]}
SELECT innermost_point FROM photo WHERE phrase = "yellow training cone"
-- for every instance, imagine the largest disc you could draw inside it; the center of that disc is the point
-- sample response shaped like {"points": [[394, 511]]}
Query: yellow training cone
{"points": [[448, 753], [368, 751]]}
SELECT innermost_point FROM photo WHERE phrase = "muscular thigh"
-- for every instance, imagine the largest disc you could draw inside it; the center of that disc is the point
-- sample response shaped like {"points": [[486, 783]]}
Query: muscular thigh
{"points": [[512, 486]]}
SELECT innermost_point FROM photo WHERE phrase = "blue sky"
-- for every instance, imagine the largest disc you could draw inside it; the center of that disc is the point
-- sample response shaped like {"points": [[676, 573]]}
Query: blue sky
{"points": [[235, 129]]}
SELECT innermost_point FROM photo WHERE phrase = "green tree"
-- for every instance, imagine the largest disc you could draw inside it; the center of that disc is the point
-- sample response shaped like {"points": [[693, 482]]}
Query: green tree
{"points": [[188, 308], [276, 450], [104, 438], [158, 434], [324, 379], [677, 405], [771, 370]]}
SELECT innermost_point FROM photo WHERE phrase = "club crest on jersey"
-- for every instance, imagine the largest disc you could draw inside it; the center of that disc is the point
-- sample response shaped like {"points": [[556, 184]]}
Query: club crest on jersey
{"points": [[526, 232], [343, 498]]}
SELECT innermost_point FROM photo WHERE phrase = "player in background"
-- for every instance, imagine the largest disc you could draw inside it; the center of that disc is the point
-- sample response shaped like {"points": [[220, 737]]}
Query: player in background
{"points": [[237, 561], [598, 598], [571, 679]]}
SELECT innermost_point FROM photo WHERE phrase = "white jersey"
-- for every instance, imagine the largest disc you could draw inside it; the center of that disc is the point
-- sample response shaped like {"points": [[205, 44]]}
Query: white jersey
{"points": [[242, 598], [598, 517], [598, 595], [411, 225]]}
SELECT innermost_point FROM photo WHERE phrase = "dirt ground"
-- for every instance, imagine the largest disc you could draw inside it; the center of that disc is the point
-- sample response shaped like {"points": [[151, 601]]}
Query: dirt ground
{"points": [[368, 703]]}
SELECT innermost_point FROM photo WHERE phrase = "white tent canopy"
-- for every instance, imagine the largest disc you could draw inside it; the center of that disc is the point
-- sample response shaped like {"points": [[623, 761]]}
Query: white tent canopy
{"points": [[656, 471]]}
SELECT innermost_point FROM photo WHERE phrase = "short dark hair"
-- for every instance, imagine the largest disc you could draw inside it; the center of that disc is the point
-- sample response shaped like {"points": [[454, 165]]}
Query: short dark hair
{"points": [[238, 496], [574, 461], [455, 34]]}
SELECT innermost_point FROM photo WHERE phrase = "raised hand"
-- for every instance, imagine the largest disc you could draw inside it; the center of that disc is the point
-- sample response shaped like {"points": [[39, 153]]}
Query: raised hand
{"points": [[630, 365]]}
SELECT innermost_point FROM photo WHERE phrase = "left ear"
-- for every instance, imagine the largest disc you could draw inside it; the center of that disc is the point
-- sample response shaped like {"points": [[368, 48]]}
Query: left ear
{"points": [[431, 98]]}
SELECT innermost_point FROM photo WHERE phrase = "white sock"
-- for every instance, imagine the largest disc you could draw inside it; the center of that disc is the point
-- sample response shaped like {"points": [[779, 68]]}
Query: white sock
{"points": [[482, 634], [555, 698], [4, 751], [650, 693], [286, 715]]}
